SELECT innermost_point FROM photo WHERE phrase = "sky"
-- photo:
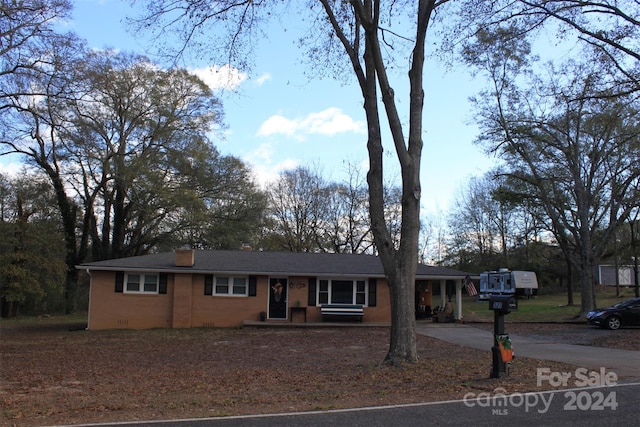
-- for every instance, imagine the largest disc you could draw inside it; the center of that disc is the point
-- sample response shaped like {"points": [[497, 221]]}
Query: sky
{"points": [[277, 119]]}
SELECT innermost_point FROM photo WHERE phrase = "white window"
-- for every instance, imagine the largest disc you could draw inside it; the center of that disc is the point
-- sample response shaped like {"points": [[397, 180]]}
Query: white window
{"points": [[141, 283], [334, 291], [234, 286]]}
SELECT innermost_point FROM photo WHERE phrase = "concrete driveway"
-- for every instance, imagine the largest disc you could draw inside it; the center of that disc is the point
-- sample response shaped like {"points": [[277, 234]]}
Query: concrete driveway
{"points": [[624, 363]]}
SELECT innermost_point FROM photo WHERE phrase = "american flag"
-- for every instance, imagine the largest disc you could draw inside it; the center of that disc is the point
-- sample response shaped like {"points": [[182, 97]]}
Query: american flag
{"points": [[471, 288]]}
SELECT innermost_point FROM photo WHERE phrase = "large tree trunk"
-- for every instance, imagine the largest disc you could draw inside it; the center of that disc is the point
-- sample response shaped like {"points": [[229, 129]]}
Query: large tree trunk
{"points": [[569, 281], [636, 261], [399, 259], [73, 257], [71, 291], [588, 296], [400, 264], [402, 343]]}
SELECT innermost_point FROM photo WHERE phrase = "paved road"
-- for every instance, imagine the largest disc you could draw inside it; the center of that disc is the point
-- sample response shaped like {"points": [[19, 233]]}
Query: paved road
{"points": [[611, 406], [625, 363]]}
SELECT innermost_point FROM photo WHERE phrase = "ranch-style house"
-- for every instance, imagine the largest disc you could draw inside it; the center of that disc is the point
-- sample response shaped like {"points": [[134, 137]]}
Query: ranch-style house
{"points": [[190, 288]]}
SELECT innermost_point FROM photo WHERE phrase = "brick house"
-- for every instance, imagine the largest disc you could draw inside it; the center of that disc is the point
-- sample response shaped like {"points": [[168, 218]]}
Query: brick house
{"points": [[191, 288]]}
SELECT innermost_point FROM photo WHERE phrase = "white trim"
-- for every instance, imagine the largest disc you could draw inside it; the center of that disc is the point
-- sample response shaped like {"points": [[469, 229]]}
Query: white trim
{"points": [[230, 285], [141, 283], [354, 288]]}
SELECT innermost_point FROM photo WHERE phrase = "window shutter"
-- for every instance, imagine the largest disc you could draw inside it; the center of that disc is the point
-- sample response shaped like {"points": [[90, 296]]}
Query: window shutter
{"points": [[372, 292], [252, 286], [162, 284], [208, 284], [119, 281], [312, 292]]}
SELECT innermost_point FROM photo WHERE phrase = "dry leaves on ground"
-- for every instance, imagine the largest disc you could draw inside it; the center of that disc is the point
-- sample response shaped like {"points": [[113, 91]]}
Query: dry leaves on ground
{"points": [[53, 376]]}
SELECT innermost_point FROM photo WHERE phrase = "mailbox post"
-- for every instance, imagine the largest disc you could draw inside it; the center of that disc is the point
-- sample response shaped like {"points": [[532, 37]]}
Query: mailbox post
{"points": [[501, 306]]}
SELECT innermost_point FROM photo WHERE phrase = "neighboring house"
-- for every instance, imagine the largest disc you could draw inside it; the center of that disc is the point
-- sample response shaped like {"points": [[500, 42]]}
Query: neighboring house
{"points": [[226, 288]]}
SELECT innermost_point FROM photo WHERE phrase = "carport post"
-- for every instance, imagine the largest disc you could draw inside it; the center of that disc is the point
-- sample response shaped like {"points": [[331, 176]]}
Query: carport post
{"points": [[459, 300]]}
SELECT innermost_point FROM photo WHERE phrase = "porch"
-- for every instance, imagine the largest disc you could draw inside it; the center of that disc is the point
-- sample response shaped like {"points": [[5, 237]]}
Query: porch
{"points": [[288, 324]]}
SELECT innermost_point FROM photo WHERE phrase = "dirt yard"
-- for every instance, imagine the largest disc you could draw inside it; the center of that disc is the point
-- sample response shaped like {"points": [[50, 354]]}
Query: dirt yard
{"points": [[50, 375]]}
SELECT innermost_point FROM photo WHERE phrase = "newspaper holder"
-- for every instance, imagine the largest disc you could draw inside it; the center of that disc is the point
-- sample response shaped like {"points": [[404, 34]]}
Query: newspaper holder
{"points": [[503, 303]]}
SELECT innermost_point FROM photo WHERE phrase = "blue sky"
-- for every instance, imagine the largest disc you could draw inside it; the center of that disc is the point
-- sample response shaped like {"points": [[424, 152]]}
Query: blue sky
{"points": [[277, 119]]}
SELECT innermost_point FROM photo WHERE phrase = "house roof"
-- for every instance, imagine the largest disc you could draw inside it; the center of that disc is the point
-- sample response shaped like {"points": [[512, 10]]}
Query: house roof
{"points": [[270, 263]]}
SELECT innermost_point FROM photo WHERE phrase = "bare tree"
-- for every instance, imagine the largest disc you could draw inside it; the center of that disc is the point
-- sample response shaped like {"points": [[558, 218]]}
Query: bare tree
{"points": [[360, 38], [634, 248], [574, 150], [26, 128], [298, 206], [125, 147], [126, 134], [348, 225], [473, 219], [433, 231], [27, 38], [609, 30]]}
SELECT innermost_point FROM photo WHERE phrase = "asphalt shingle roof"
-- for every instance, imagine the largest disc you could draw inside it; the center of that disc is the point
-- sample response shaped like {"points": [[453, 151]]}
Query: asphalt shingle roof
{"points": [[271, 263]]}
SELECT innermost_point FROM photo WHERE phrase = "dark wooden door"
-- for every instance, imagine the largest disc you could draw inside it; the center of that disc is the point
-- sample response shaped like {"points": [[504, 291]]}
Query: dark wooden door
{"points": [[277, 298]]}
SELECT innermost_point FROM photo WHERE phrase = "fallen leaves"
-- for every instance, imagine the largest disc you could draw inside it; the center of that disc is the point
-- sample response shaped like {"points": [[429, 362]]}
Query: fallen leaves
{"points": [[56, 376]]}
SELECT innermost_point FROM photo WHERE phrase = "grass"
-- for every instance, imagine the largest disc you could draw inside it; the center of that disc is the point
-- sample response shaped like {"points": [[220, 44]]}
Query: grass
{"points": [[70, 320], [545, 308]]}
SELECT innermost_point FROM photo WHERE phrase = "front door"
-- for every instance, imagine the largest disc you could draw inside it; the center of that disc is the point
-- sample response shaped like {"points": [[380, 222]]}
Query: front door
{"points": [[277, 298]]}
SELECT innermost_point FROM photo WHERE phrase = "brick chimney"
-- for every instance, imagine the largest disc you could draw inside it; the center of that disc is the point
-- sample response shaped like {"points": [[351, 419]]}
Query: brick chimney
{"points": [[185, 257]]}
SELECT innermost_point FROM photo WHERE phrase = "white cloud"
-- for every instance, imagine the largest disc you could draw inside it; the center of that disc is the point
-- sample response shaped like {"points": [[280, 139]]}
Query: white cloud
{"points": [[224, 77], [12, 169], [262, 154], [266, 174], [328, 122], [278, 125], [264, 171], [332, 121], [263, 79]]}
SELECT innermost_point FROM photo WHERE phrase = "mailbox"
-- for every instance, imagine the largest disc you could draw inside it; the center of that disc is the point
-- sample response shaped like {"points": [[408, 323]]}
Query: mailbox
{"points": [[503, 303]]}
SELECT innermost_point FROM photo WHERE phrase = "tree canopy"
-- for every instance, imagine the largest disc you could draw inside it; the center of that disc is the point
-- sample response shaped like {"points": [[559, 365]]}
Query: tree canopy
{"points": [[568, 137], [127, 148]]}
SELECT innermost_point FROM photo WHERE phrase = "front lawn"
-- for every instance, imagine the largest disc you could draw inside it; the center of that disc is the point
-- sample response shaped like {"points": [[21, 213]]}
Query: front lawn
{"points": [[544, 308]]}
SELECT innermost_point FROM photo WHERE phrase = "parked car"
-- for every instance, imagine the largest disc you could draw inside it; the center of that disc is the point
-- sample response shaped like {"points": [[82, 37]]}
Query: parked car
{"points": [[625, 313]]}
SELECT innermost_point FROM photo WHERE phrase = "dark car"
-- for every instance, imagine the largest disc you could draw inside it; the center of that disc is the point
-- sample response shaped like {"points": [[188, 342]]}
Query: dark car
{"points": [[625, 313]]}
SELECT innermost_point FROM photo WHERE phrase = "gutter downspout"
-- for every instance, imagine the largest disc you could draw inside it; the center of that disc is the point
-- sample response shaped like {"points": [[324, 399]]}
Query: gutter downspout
{"points": [[89, 307]]}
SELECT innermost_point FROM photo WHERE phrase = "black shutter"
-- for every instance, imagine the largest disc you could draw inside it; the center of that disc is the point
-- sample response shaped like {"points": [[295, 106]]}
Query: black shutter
{"points": [[252, 286], [119, 281], [208, 284], [162, 284], [372, 292], [312, 291]]}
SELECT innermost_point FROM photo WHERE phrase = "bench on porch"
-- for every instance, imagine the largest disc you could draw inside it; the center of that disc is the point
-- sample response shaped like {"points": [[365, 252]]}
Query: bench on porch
{"points": [[342, 311]]}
